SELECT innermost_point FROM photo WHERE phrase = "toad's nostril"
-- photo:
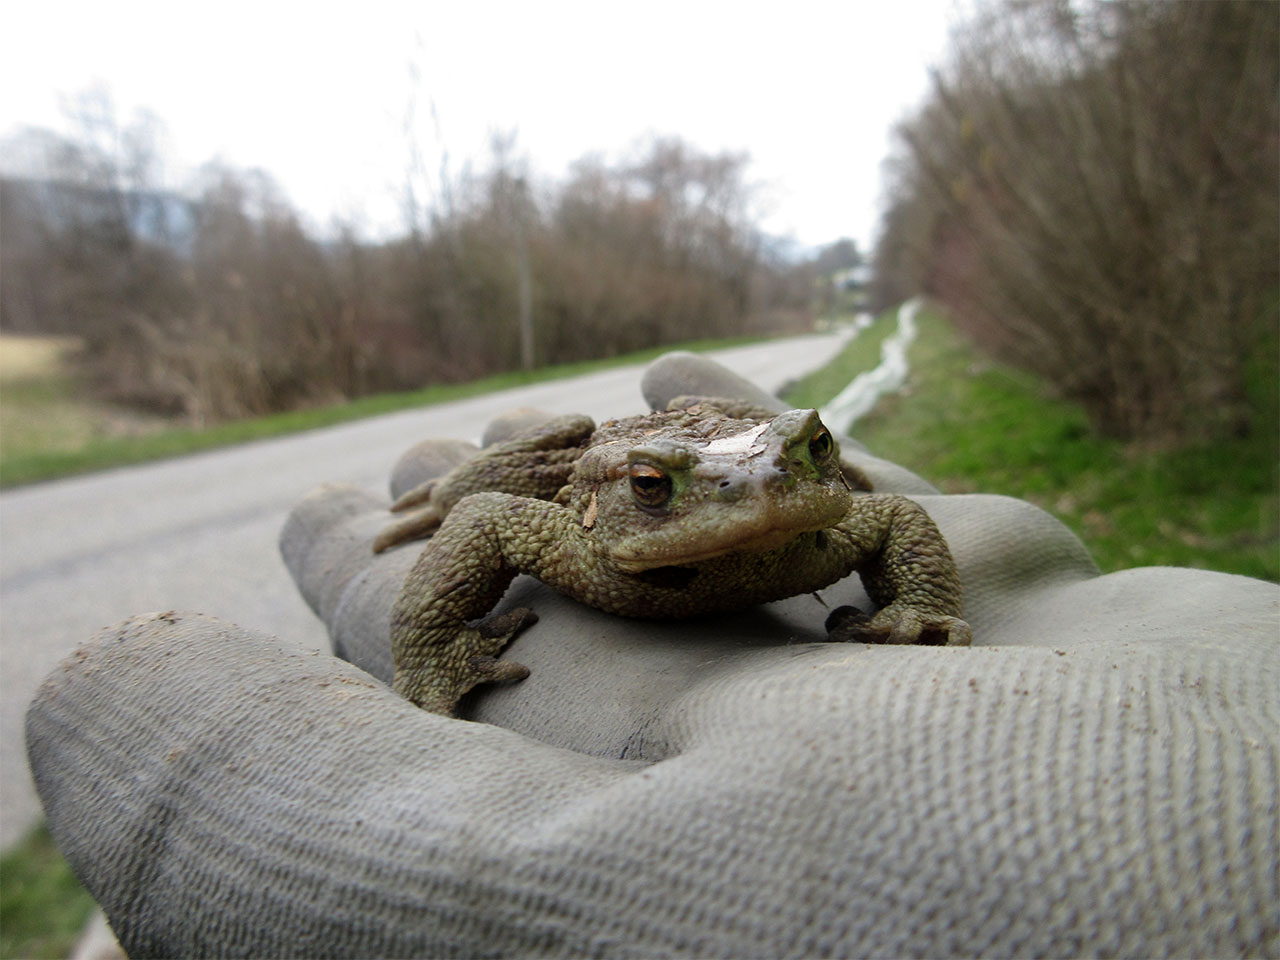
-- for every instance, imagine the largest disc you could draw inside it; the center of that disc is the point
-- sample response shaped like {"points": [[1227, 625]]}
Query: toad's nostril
{"points": [[729, 489]]}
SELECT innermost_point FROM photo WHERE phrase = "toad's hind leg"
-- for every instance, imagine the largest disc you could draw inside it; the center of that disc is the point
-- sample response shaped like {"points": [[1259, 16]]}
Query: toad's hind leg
{"points": [[536, 464], [415, 525]]}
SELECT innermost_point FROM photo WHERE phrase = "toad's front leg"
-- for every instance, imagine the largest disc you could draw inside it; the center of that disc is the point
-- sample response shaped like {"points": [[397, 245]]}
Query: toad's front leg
{"points": [[908, 571], [439, 651]]}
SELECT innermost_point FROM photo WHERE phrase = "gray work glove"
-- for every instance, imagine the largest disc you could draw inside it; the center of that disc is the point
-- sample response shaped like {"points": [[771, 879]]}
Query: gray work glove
{"points": [[1096, 775]]}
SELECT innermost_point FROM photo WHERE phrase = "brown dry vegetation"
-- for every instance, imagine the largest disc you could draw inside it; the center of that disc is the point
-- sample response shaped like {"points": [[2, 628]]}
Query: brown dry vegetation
{"points": [[220, 304], [1093, 191]]}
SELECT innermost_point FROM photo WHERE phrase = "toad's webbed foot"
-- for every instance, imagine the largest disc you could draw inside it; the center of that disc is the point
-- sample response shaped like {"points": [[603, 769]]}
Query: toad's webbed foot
{"points": [[898, 623], [435, 675]]}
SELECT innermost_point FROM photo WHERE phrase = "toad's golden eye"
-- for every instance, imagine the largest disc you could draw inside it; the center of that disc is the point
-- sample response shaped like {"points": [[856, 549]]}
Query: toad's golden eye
{"points": [[649, 485], [821, 446]]}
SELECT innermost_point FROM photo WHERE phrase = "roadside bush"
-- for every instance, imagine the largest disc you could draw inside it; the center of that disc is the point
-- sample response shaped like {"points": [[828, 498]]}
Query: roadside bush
{"points": [[1092, 189]]}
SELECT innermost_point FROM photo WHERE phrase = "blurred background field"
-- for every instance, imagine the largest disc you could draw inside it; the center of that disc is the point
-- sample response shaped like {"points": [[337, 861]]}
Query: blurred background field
{"points": [[36, 391], [43, 411]]}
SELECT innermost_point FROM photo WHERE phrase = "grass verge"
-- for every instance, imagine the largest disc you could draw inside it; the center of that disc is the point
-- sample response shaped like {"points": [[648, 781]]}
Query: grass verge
{"points": [[43, 909], [967, 425], [44, 433]]}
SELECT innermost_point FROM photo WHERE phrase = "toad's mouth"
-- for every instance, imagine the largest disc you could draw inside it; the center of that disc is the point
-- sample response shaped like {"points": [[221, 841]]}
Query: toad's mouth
{"points": [[634, 558]]}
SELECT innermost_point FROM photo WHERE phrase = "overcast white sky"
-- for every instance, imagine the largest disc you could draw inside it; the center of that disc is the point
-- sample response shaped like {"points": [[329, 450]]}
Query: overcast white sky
{"points": [[317, 93]]}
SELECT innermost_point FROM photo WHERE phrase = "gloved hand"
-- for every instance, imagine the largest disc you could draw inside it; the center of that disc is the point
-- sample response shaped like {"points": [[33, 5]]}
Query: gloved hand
{"points": [[1097, 774]]}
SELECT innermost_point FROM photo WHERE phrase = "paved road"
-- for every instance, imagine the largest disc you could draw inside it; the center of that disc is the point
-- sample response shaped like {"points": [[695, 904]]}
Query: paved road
{"points": [[199, 533]]}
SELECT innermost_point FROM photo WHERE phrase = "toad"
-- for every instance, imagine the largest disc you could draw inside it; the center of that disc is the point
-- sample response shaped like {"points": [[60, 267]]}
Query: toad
{"points": [[709, 506]]}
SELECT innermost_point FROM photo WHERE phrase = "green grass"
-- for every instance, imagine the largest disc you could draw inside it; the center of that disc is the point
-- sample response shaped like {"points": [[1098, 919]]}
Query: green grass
{"points": [[43, 909], [969, 425], [43, 436]]}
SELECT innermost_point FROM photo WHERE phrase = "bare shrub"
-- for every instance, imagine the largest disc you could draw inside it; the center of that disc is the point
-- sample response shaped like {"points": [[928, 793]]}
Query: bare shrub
{"points": [[659, 249], [1092, 189]]}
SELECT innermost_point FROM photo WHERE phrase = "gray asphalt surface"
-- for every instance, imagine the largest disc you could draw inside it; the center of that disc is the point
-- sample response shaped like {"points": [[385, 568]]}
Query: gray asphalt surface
{"points": [[199, 533]]}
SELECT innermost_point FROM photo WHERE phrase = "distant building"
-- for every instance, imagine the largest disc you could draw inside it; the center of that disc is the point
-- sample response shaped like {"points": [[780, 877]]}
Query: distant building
{"points": [[163, 218], [852, 279]]}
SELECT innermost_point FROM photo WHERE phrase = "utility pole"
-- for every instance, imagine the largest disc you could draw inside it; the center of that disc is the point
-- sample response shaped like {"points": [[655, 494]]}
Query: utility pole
{"points": [[524, 280]]}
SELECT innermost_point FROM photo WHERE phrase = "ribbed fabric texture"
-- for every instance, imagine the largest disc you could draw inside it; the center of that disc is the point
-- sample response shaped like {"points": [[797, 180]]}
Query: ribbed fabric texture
{"points": [[1098, 775]]}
